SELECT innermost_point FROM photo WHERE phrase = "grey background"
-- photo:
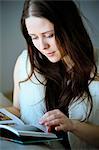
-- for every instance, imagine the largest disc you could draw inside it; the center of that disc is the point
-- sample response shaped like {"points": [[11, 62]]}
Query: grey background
{"points": [[12, 41], [0, 49]]}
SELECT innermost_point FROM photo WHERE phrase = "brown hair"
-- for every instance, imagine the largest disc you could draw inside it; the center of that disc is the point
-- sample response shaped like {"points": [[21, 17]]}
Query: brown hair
{"points": [[68, 79]]}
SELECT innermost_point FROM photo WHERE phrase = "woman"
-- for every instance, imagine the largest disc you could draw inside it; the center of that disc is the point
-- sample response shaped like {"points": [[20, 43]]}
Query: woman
{"points": [[54, 82]]}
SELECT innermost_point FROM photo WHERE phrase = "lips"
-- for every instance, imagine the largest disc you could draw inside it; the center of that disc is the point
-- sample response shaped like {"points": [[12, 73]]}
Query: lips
{"points": [[50, 54]]}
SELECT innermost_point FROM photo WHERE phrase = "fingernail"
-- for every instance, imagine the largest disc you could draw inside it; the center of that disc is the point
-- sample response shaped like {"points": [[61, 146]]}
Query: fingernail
{"points": [[40, 122], [46, 124], [56, 128], [49, 129]]}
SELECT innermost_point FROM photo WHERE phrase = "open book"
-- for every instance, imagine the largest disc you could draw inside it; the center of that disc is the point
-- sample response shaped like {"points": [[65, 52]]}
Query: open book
{"points": [[13, 129]]}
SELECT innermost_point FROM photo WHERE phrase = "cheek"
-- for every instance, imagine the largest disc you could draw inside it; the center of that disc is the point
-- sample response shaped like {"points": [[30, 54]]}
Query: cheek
{"points": [[54, 44], [36, 44]]}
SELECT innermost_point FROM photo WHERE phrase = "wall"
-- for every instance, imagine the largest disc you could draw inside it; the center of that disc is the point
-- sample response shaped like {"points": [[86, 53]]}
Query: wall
{"points": [[0, 52], [13, 42], [90, 9]]}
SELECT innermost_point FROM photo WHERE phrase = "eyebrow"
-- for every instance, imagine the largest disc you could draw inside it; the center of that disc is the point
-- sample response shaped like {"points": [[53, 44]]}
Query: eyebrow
{"points": [[43, 32]]}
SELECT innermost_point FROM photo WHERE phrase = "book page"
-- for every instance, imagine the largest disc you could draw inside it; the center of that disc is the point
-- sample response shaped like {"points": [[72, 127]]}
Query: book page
{"points": [[8, 118], [25, 130]]}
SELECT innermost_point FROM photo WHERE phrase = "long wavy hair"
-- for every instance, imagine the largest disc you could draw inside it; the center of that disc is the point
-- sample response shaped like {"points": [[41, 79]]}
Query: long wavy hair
{"points": [[68, 79]]}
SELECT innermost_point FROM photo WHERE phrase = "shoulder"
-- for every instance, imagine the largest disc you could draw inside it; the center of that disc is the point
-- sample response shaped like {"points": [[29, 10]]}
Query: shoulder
{"points": [[22, 69], [21, 65], [22, 57], [94, 91], [78, 109], [94, 88]]}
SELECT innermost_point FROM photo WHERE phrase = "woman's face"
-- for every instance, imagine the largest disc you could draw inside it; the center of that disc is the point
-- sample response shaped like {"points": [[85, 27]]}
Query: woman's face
{"points": [[43, 37]]}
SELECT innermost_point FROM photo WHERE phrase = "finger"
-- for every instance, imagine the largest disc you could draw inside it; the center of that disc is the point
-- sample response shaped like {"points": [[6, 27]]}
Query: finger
{"points": [[54, 122], [61, 127], [64, 126], [48, 129], [47, 114], [50, 115], [58, 128], [50, 118]]}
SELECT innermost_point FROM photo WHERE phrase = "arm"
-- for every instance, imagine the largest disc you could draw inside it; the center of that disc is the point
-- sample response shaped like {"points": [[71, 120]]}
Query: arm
{"points": [[14, 110], [88, 132]]}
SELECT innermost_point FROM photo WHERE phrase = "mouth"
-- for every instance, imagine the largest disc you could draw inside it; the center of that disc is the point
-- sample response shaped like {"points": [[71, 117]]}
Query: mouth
{"points": [[50, 54]]}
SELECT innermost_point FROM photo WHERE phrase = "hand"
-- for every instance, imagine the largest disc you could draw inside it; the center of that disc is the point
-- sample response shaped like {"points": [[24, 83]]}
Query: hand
{"points": [[55, 118]]}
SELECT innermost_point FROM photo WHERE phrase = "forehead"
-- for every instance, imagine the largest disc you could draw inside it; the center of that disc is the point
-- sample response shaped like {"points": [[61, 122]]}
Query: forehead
{"points": [[38, 25]]}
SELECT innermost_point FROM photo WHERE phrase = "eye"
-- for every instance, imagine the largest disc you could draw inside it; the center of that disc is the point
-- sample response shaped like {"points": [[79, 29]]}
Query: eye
{"points": [[50, 36], [34, 38]]}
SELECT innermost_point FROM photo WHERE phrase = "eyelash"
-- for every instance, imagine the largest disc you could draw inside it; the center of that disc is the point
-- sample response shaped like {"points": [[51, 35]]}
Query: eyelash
{"points": [[50, 36]]}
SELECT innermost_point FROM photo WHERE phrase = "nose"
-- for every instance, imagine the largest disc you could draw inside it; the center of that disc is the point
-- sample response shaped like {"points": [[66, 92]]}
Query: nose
{"points": [[43, 44]]}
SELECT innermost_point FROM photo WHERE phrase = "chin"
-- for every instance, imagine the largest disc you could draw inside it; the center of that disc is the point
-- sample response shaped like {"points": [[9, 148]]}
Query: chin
{"points": [[54, 60]]}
